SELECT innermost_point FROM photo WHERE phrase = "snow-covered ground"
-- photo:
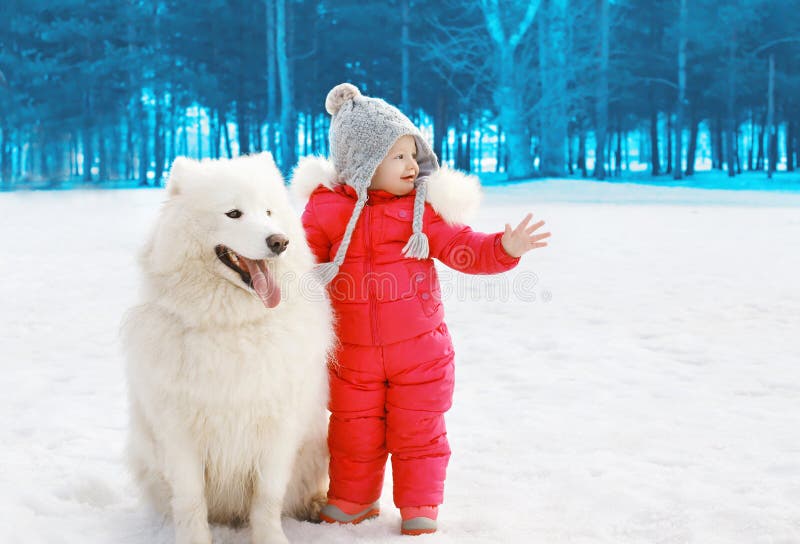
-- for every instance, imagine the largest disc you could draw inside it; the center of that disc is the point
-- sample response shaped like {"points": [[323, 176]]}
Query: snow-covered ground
{"points": [[636, 381]]}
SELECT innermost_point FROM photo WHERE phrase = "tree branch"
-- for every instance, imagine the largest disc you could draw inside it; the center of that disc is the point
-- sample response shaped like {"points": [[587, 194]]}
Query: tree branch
{"points": [[663, 81], [779, 41], [525, 24], [491, 12]]}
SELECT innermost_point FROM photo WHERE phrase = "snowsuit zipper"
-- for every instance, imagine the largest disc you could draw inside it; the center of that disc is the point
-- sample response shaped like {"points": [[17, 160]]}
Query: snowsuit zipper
{"points": [[373, 303]]}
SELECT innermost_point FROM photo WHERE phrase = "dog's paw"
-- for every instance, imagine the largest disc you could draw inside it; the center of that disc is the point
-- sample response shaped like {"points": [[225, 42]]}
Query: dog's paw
{"points": [[315, 506]]}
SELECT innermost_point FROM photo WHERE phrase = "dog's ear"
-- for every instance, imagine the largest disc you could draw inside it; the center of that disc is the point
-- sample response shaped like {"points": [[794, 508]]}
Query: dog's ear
{"points": [[266, 169], [266, 158], [182, 167]]}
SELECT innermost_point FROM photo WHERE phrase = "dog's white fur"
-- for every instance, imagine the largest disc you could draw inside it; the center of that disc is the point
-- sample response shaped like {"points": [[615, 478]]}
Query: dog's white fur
{"points": [[454, 195], [227, 398]]}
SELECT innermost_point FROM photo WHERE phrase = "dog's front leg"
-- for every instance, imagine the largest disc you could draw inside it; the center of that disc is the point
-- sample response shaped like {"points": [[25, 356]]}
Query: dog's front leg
{"points": [[186, 475], [274, 472]]}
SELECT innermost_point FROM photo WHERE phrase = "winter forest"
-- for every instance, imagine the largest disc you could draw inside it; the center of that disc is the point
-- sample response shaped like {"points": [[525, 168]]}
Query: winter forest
{"points": [[107, 93]]}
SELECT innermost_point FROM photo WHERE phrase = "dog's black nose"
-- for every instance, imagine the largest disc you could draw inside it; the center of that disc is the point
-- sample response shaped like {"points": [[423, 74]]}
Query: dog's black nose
{"points": [[277, 243]]}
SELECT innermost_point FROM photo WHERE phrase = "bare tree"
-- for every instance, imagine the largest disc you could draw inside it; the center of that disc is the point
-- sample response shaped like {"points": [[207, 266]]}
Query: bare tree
{"points": [[507, 26], [601, 104], [272, 91], [404, 57], [679, 122], [286, 76], [553, 104]]}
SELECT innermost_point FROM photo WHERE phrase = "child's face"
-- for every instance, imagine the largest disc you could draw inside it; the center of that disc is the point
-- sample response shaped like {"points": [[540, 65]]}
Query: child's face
{"points": [[398, 170]]}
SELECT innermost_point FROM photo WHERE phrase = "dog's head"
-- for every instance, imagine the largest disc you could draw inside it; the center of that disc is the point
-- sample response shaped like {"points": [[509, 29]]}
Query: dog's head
{"points": [[229, 217]]}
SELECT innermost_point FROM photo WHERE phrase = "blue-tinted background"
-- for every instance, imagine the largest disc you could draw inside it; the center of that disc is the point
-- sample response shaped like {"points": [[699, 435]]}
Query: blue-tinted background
{"points": [[108, 92]]}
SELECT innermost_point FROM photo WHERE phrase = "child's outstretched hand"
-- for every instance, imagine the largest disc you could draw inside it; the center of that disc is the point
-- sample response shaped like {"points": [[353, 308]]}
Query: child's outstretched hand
{"points": [[522, 239]]}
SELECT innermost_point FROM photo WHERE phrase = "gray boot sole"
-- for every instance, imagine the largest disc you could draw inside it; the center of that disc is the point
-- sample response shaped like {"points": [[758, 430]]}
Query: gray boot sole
{"points": [[334, 514], [418, 526]]}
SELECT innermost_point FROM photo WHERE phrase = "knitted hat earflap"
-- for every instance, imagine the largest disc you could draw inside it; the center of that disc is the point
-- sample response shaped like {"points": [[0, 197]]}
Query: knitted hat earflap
{"points": [[327, 271], [417, 245]]}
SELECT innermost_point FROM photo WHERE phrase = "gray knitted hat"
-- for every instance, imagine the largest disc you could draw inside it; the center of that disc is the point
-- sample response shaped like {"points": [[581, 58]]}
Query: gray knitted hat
{"points": [[363, 129]]}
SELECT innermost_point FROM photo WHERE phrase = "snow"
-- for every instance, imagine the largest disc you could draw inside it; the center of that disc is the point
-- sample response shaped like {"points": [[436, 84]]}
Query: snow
{"points": [[635, 382]]}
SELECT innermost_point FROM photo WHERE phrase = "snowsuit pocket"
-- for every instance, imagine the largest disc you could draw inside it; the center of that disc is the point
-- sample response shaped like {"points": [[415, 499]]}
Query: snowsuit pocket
{"points": [[425, 285]]}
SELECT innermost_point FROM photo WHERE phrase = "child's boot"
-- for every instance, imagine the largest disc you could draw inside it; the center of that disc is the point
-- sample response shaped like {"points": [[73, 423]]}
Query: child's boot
{"points": [[418, 520], [346, 512]]}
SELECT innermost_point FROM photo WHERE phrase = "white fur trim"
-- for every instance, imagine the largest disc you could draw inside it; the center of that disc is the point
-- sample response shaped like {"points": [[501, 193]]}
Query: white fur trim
{"points": [[454, 195], [310, 173]]}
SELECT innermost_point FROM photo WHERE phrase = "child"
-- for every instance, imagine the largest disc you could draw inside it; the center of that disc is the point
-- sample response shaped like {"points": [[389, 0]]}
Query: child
{"points": [[375, 217]]}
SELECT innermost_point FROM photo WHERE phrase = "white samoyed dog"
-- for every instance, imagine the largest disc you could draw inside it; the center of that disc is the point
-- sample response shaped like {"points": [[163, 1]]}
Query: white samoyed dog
{"points": [[227, 355]]}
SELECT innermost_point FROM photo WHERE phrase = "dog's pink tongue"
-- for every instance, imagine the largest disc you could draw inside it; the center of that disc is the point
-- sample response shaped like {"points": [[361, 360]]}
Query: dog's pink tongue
{"points": [[263, 283]]}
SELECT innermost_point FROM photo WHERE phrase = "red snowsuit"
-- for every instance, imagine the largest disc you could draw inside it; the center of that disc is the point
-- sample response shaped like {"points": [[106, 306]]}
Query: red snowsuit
{"points": [[392, 379]]}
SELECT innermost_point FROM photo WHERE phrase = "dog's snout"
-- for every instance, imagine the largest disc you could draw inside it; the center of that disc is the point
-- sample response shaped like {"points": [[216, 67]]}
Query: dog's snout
{"points": [[277, 243]]}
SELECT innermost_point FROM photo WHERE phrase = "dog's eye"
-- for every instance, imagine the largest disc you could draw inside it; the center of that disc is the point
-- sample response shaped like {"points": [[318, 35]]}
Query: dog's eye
{"points": [[234, 214], [269, 212]]}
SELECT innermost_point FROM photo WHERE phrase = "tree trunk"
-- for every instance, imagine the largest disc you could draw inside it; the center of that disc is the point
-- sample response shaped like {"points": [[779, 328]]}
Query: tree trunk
{"points": [[601, 104], [440, 126], [314, 138], [272, 91], [309, 132], [752, 146], [761, 133], [797, 143], [654, 156], [41, 153], [158, 141], [129, 146], [509, 89], [227, 136], [73, 151], [173, 131], [144, 158], [286, 77], [570, 157], [552, 106], [736, 147], [518, 140], [790, 130], [88, 148], [582, 153], [255, 126], [405, 62], [669, 143], [479, 151], [679, 107], [4, 177], [626, 150], [731, 106], [242, 125], [717, 150], [213, 133], [602, 92], [468, 148], [459, 160], [102, 148], [773, 136], [618, 152], [198, 123], [692, 151], [498, 166]]}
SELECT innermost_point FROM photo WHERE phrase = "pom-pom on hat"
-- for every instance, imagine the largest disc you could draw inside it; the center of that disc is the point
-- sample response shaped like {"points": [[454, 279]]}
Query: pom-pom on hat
{"points": [[362, 131]]}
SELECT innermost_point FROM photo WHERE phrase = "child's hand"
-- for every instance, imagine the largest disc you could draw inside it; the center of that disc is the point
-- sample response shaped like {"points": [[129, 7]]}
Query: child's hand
{"points": [[519, 241]]}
